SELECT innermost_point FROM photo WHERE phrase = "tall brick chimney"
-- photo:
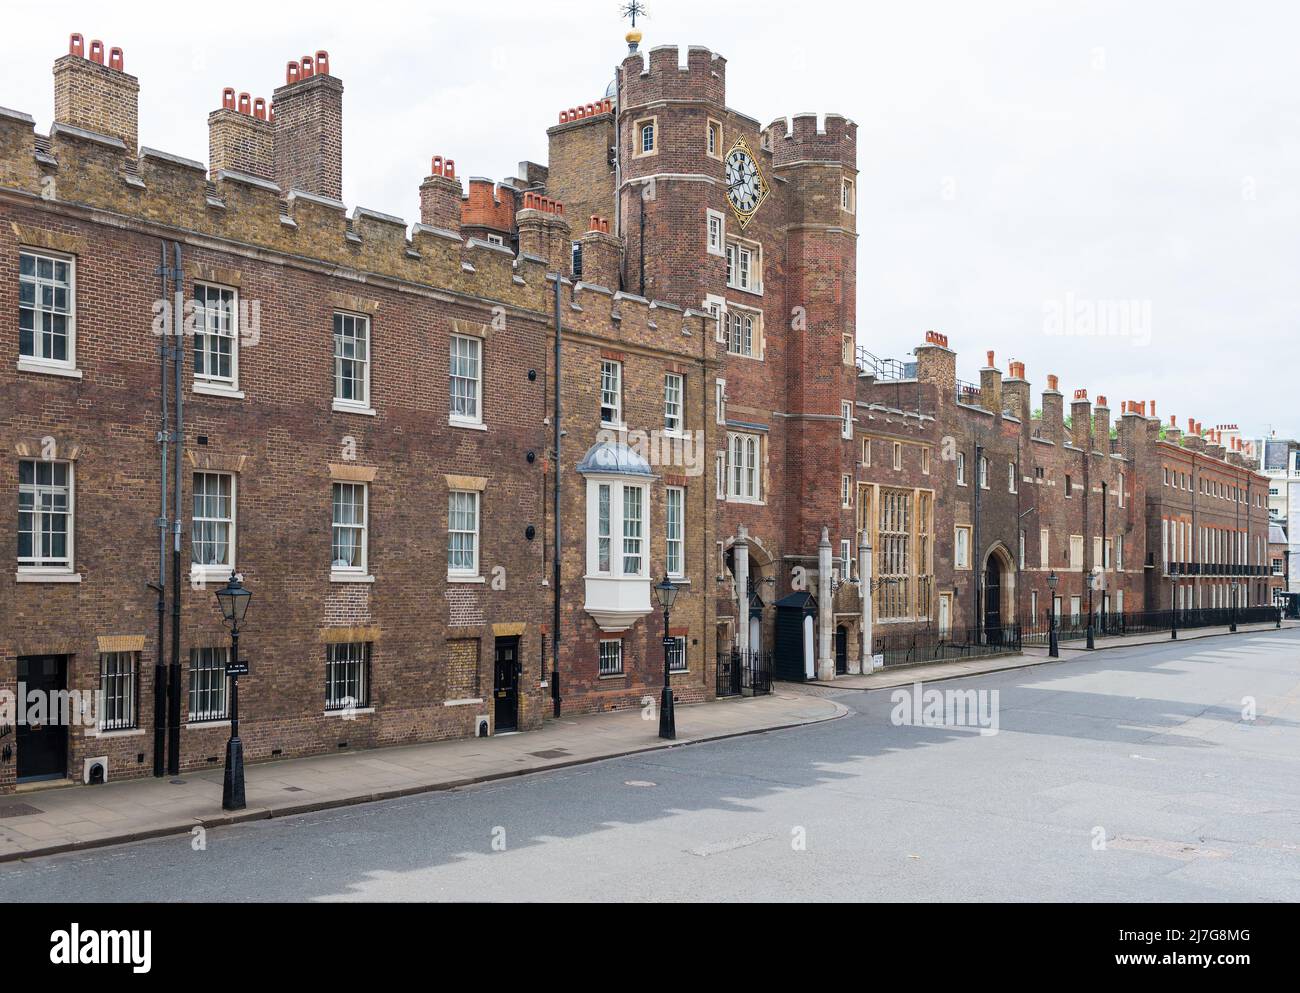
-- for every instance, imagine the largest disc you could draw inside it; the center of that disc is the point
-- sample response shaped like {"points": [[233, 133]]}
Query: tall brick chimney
{"points": [[602, 255], [94, 93], [1172, 433], [440, 195], [1015, 390], [1053, 412], [544, 233], [1101, 425], [1081, 421], [936, 365], [241, 136], [309, 129], [991, 387]]}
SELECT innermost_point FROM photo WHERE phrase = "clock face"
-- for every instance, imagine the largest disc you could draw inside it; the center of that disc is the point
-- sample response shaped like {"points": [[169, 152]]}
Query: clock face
{"points": [[746, 188]]}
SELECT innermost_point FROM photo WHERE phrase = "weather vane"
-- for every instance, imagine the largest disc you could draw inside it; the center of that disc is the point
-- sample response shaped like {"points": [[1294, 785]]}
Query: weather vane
{"points": [[633, 9]]}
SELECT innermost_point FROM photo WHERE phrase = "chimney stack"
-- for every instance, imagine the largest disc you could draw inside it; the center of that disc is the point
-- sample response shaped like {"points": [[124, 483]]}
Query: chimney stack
{"points": [[936, 364], [1053, 411], [1015, 391], [240, 136], [1172, 433], [440, 195], [309, 129], [96, 94], [991, 387], [1101, 424], [543, 231], [1081, 420], [602, 255]]}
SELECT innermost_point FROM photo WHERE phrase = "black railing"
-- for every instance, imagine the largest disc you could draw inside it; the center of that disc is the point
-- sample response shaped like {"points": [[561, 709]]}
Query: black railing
{"points": [[968, 393], [929, 645], [748, 673], [1075, 627]]}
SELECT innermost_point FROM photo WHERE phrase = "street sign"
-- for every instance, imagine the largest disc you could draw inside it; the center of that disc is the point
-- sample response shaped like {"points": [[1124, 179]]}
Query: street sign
{"points": [[237, 668], [670, 642]]}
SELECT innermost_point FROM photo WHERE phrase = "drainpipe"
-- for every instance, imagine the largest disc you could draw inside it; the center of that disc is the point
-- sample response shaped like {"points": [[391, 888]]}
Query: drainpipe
{"points": [[159, 669], [174, 681], [556, 699]]}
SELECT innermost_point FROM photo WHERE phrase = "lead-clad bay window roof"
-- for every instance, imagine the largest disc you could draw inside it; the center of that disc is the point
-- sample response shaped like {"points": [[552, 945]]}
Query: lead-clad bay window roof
{"points": [[615, 459]]}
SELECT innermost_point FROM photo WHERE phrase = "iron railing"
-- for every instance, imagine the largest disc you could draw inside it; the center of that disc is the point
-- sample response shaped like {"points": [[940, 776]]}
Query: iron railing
{"points": [[930, 645], [748, 673], [1110, 624]]}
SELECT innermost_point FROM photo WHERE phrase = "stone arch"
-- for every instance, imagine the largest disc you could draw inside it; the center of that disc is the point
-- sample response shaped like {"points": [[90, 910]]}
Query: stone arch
{"points": [[998, 589]]}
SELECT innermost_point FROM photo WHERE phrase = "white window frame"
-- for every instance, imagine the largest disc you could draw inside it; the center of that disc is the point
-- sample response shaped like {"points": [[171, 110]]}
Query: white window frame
{"points": [[744, 477], [610, 657], [743, 332], [898, 456], [846, 420], [713, 139], [675, 531], [984, 472], [342, 572], [674, 403], [609, 534], [37, 566], [848, 195], [717, 309], [456, 505], [715, 223], [744, 266], [347, 655], [640, 149], [1044, 547], [207, 381], [866, 453], [37, 362], [208, 665], [720, 401], [359, 321], [961, 468], [611, 370], [960, 550], [1013, 481], [846, 492], [677, 661], [458, 383], [128, 710], [209, 570]]}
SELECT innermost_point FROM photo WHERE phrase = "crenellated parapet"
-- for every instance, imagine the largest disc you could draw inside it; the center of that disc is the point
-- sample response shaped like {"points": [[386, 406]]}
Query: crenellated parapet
{"points": [[659, 75], [804, 141]]}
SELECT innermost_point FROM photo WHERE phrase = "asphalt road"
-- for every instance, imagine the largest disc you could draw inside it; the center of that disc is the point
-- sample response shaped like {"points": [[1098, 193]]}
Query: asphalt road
{"points": [[1130, 775]]}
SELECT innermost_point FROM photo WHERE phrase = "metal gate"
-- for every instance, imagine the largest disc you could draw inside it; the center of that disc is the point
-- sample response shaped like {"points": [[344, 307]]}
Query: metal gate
{"points": [[748, 673]]}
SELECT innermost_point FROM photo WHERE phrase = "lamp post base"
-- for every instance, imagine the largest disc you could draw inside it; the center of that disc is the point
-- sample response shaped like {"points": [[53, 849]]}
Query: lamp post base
{"points": [[1091, 643], [232, 786], [1053, 648], [667, 719]]}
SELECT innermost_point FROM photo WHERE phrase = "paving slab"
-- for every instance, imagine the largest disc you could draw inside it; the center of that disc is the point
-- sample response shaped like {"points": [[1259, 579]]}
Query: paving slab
{"points": [[43, 822]]}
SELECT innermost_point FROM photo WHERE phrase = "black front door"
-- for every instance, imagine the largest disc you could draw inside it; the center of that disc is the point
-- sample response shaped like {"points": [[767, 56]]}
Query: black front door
{"points": [[43, 747], [841, 651], [993, 603], [505, 685]]}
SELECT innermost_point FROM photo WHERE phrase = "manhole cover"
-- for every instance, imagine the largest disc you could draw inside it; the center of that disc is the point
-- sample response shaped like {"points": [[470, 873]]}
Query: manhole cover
{"points": [[639, 782], [19, 810], [552, 753]]}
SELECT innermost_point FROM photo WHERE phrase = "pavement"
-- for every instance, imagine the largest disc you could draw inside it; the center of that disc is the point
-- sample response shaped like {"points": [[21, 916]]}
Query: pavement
{"points": [[1150, 774], [47, 821], [1029, 656]]}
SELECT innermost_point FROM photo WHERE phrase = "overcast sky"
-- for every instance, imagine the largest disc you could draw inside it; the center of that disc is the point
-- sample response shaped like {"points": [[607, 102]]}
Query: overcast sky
{"points": [[1024, 166]]}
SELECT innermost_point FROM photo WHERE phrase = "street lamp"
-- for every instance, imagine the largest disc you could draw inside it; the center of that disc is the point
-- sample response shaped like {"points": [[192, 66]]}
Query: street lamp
{"points": [[1092, 579], [233, 600], [1053, 648], [1232, 608], [1173, 603], [667, 593]]}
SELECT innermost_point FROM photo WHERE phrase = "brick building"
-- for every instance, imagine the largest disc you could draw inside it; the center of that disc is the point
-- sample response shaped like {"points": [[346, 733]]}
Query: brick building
{"points": [[377, 435]]}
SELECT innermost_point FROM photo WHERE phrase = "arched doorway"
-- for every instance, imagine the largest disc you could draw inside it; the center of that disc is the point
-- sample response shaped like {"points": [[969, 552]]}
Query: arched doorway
{"points": [[998, 594], [762, 583], [841, 650]]}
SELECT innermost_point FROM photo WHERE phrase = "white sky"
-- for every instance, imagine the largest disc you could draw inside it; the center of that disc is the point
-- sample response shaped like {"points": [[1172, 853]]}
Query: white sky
{"points": [[1014, 155]]}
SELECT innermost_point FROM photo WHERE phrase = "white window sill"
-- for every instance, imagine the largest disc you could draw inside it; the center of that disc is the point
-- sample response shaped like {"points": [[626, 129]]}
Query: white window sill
{"points": [[465, 422], [614, 675], [742, 355], [679, 580], [746, 500], [619, 426], [48, 368], [47, 576], [348, 407], [350, 577], [218, 390], [344, 713], [193, 725], [124, 733], [745, 289], [460, 577], [473, 701], [210, 573]]}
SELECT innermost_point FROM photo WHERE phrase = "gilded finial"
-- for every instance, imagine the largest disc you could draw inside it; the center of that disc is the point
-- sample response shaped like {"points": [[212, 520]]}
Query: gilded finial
{"points": [[633, 9]]}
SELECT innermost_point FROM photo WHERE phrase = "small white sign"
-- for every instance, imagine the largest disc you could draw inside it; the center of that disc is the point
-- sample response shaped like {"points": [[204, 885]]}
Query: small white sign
{"points": [[877, 661]]}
